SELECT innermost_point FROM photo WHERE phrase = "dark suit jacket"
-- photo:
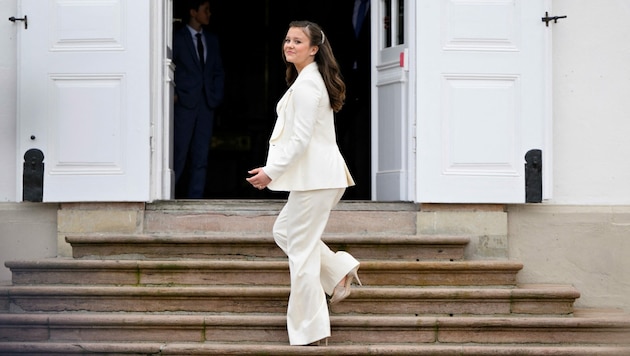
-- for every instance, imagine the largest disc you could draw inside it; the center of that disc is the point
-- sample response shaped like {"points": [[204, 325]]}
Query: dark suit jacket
{"points": [[190, 79], [350, 49]]}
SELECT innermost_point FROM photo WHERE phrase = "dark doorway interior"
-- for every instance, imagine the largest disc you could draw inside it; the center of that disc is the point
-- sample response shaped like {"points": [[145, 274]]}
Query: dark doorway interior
{"points": [[251, 36]]}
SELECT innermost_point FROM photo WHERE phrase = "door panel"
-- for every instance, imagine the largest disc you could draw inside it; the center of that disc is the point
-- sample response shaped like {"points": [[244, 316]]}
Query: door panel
{"points": [[481, 98], [84, 86], [391, 153], [392, 174]]}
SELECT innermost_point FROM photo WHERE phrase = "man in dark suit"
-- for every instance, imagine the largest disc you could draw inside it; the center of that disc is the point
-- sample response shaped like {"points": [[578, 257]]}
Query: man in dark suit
{"points": [[199, 80], [353, 121]]}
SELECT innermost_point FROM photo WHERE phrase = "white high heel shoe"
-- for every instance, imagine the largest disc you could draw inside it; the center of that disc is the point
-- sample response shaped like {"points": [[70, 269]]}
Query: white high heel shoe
{"points": [[322, 342], [342, 290]]}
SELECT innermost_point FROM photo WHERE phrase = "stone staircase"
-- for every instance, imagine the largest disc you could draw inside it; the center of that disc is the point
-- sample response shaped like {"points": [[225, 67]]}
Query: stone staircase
{"points": [[205, 278]]}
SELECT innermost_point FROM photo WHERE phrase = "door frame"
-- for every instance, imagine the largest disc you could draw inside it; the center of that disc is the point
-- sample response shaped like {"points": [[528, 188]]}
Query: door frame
{"points": [[163, 80]]}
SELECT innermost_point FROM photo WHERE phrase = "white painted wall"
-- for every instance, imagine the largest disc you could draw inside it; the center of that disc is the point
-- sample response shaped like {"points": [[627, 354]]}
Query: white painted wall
{"points": [[582, 235], [591, 54], [8, 101]]}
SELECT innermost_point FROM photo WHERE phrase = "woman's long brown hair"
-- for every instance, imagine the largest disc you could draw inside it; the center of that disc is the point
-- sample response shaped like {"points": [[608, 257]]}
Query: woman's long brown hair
{"points": [[326, 62]]}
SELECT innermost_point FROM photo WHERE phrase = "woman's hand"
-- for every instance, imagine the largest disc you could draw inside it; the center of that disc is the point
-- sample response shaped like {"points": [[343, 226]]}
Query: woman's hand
{"points": [[259, 178]]}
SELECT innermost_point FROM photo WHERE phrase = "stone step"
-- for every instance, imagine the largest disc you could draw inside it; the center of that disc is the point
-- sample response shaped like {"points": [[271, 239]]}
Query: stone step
{"points": [[531, 300], [346, 329], [252, 246], [244, 349], [257, 272], [205, 277], [258, 216]]}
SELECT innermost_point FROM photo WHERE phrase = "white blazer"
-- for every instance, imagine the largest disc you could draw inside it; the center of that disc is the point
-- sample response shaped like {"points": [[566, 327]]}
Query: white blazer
{"points": [[303, 152]]}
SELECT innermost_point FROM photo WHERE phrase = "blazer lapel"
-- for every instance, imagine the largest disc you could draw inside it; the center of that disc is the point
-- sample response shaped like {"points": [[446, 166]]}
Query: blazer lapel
{"points": [[284, 101], [280, 109]]}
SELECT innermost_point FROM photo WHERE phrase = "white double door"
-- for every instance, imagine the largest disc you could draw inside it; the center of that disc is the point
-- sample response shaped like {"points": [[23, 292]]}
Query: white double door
{"points": [[452, 121]]}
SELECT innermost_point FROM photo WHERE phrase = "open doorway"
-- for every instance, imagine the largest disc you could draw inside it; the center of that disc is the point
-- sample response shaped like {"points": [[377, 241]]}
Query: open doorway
{"points": [[250, 39]]}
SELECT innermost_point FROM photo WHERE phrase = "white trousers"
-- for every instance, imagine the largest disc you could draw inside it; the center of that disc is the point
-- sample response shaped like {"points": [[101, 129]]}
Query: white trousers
{"points": [[314, 268]]}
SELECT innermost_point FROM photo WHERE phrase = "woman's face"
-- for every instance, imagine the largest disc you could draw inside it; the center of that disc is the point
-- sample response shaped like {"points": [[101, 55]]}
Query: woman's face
{"points": [[298, 49]]}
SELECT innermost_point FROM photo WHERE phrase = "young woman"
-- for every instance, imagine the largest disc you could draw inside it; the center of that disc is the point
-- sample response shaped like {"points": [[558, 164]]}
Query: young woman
{"points": [[304, 160]]}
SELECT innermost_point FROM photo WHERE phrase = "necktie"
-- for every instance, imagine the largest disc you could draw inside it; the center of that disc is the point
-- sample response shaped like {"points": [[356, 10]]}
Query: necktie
{"points": [[360, 17], [200, 49]]}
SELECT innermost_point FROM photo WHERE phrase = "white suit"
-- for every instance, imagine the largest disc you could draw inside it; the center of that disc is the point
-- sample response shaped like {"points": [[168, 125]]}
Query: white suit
{"points": [[304, 159]]}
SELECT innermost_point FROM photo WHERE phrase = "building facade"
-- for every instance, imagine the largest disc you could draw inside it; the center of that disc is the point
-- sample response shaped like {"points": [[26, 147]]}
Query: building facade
{"points": [[426, 68]]}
